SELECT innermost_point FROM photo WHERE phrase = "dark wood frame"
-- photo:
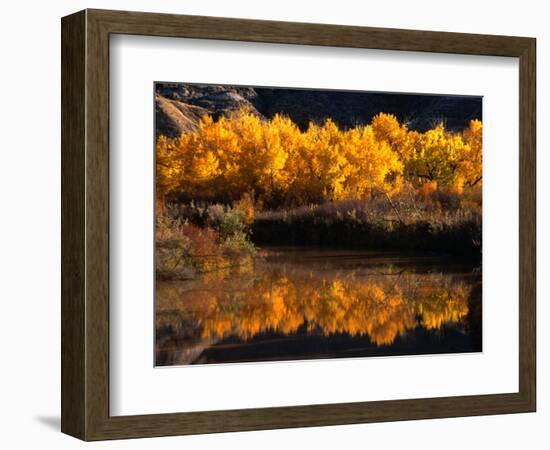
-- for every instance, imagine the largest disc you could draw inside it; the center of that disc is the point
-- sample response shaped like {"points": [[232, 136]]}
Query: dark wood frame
{"points": [[85, 224]]}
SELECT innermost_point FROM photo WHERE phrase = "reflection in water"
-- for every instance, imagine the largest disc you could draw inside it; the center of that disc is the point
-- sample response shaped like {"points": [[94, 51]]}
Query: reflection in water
{"points": [[316, 299]]}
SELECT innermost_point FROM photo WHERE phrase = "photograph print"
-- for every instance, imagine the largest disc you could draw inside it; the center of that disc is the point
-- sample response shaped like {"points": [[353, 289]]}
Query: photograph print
{"points": [[299, 224]]}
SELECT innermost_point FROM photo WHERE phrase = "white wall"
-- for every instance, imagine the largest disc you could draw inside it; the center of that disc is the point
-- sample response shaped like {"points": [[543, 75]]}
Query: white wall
{"points": [[30, 229]]}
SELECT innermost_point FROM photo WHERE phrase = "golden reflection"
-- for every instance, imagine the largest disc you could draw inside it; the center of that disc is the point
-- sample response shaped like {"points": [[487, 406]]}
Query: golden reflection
{"points": [[249, 299]]}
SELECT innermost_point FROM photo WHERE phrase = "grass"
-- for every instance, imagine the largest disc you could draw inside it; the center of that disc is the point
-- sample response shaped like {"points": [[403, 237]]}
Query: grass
{"points": [[194, 239], [439, 221]]}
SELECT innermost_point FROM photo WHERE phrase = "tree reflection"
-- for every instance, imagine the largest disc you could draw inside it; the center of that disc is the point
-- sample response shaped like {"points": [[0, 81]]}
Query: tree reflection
{"points": [[284, 298]]}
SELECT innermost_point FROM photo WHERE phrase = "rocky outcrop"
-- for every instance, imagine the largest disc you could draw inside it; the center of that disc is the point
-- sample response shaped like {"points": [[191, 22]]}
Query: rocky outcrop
{"points": [[175, 117], [348, 109], [179, 106]]}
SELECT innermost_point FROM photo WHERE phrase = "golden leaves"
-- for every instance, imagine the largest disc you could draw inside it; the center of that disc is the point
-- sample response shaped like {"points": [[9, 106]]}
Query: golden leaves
{"points": [[281, 165]]}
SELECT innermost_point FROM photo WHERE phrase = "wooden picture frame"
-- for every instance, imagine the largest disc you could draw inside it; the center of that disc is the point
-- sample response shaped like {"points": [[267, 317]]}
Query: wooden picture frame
{"points": [[85, 224]]}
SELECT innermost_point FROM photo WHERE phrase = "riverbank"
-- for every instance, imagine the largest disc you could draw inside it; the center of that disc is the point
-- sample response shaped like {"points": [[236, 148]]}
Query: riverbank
{"points": [[197, 238], [439, 220], [457, 233], [186, 251]]}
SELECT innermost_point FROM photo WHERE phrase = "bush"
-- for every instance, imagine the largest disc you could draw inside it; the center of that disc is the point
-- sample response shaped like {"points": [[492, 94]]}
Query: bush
{"points": [[229, 222], [400, 223], [193, 239]]}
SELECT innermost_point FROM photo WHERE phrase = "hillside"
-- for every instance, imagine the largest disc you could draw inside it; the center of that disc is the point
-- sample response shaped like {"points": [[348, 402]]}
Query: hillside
{"points": [[179, 106]]}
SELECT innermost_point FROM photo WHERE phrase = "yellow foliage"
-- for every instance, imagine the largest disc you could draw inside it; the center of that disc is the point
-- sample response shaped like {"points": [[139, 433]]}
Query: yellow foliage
{"points": [[278, 164], [439, 156], [471, 164], [245, 206], [387, 128]]}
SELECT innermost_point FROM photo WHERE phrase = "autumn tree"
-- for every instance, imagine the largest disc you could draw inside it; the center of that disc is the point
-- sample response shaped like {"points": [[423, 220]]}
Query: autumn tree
{"points": [[277, 164], [439, 156], [471, 164], [371, 163]]}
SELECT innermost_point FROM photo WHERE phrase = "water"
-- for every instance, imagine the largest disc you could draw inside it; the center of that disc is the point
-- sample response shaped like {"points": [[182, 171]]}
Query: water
{"points": [[294, 304]]}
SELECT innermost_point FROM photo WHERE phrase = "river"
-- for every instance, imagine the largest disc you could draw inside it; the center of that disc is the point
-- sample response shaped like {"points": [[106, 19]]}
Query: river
{"points": [[308, 303]]}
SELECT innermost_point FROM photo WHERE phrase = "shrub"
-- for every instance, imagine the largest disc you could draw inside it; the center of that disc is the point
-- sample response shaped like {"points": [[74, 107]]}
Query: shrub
{"points": [[246, 208], [226, 220]]}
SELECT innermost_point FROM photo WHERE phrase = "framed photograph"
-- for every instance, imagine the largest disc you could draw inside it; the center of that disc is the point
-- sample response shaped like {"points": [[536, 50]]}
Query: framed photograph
{"points": [[272, 225]]}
